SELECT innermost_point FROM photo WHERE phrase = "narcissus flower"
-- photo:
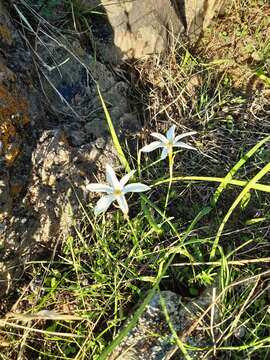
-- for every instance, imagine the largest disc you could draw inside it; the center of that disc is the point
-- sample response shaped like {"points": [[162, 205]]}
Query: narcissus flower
{"points": [[168, 142], [115, 190]]}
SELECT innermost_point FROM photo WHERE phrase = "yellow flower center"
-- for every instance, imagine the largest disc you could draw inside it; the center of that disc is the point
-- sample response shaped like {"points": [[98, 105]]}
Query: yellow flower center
{"points": [[117, 192]]}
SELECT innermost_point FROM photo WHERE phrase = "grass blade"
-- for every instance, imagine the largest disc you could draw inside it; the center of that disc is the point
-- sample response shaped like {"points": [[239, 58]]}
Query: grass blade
{"points": [[235, 168], [178, 341], [134, 319], [114, 136], [241, 183], [248, 187], [161, 273]]}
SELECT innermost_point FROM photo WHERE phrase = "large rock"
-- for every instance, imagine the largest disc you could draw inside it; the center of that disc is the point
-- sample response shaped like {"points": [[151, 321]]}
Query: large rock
{"points": [[52, 140], [134, 29], [70, 86], [151, 338], [199, 14], [142, 27], [20, 110]]}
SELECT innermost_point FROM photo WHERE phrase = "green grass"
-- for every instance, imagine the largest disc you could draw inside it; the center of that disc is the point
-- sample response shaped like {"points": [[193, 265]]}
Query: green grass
{"points": [[213, 232], [95, 278]]}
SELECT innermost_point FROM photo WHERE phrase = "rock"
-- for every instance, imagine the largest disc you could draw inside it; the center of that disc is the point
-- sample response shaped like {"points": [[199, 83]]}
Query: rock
{"points": [[52, 139], [71, 89], [19, 106], [139, 28], [135, 29], [50, 206], [151, 338], [5, 196], [199, 14]]}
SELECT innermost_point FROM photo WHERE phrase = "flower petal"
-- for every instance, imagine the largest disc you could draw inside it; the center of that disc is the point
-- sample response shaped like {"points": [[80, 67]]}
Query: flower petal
{"points": [[170, 134], [111, 178], [136, 187], [103, 204], [164, 153], [183, 145], [160, 137], [99, 188], [179, 137], [153, 146], [126, 178], [122, 202]]}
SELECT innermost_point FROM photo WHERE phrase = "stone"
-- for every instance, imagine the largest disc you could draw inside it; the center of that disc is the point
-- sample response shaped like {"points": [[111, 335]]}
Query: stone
{"points": [[53, 138], [139, 28], [151, 338], [199, 14], [71, 89], [19, 106], [5, 196]]}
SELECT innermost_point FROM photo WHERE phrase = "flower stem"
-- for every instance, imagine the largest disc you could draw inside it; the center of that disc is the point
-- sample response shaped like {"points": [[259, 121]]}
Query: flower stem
{"points": [[139, 163], [171, 160], [135, 239]]}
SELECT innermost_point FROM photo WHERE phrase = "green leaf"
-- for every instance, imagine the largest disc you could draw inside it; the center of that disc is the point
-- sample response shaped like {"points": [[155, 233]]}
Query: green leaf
{"points": [[235, 168], [245, 201], [238, 200], [114, 136], [241, 183], [255, 220]]}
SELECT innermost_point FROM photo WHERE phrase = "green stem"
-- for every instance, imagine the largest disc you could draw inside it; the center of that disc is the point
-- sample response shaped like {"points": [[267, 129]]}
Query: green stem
{"points": [[171, 159], [163, 267], [146, 211], [139, 163], [135, 240], [177, 339]]}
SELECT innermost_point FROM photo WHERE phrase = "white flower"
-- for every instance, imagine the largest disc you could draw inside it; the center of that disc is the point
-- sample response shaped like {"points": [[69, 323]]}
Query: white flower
{"points": [[168, 142], [116, 190]]}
